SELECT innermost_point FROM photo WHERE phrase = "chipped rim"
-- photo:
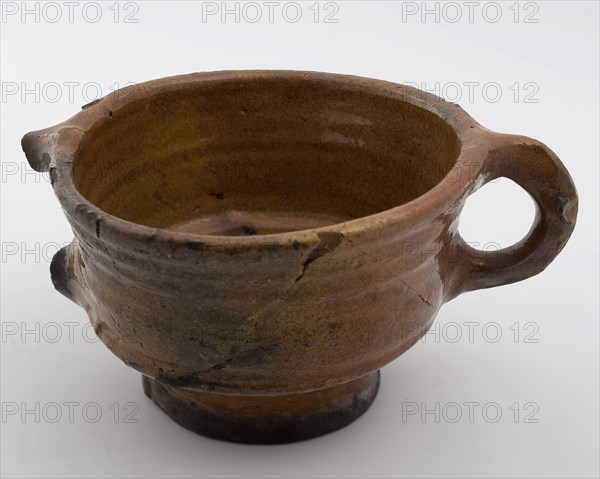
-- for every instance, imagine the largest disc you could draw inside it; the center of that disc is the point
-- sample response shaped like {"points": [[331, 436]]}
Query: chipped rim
{"points": [[55, 149]]}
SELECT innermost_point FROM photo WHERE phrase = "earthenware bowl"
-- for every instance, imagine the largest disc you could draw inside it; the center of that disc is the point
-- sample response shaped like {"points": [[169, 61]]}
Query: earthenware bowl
{"points": [[258, 244]]}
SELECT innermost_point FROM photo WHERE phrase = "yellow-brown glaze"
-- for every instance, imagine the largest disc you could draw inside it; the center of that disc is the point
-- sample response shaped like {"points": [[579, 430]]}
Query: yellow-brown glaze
{"points": [[273, 233]]}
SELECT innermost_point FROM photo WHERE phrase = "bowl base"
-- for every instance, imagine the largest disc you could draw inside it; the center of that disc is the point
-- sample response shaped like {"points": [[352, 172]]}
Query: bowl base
{"points": [[273, 419]]}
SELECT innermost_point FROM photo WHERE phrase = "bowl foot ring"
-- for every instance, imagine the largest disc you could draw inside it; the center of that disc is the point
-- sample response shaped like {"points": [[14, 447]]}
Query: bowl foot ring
{"points": [[274, 419]]}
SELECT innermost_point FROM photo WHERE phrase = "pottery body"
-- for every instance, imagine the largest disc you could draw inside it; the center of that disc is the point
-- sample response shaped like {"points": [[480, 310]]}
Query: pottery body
{"points": [[260, 244]]}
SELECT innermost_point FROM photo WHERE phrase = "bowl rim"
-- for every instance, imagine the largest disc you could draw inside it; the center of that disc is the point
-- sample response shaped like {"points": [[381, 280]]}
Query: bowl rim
{"points": [[54, 150]]}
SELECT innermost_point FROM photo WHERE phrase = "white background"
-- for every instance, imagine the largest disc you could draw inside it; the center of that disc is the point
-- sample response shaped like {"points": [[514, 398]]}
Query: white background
{"points": [[555, 379]]}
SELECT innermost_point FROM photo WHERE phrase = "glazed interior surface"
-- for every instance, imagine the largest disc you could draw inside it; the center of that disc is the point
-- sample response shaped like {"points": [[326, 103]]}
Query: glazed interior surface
{"points": [[251, 157]]}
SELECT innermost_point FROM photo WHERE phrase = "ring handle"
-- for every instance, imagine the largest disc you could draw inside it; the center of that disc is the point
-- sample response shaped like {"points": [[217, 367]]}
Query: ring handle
{"points": [[536, 169]]}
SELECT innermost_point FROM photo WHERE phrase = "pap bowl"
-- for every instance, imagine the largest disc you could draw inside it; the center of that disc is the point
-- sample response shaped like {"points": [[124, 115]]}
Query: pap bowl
{"points": [[258, 244]]}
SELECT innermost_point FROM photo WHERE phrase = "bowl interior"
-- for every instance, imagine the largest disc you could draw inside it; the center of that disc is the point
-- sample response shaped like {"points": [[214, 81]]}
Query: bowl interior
{"points": [[261, 156]]}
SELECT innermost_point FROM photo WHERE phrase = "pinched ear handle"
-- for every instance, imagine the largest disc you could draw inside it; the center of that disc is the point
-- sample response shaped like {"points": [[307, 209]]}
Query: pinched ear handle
{"points": [[65, 271], [534, 167]]}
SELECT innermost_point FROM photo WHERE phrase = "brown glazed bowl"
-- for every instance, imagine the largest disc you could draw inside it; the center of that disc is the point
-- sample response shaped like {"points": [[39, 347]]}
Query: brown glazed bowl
{"points": [[258, 244]]}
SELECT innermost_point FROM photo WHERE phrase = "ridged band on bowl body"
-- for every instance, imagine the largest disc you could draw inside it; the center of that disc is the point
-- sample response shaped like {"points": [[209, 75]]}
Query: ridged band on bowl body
{"points": [[294, 311]]}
